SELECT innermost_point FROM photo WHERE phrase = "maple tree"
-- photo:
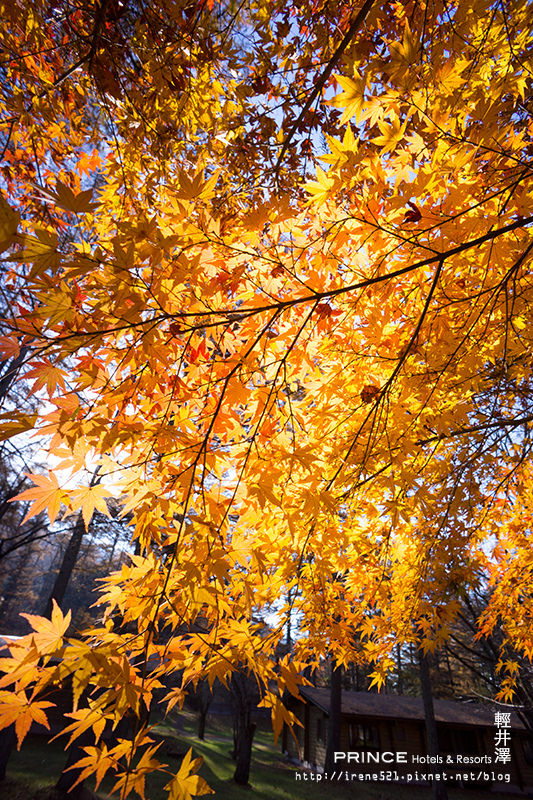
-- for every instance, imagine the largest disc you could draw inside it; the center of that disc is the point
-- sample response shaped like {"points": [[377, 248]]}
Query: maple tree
{"points": [[301, 363]]}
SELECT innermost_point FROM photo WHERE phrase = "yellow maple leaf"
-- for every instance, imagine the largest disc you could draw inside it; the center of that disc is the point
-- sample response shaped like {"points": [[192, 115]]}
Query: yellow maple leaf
{"points": [[404, 54], [66, 199], [15, 708], [46, 495], [186, 785], [98, 761], [196, 187], [321, 188], [49, 634], [280, 713], [89, 498], [449, 75], [85, 718], [353, 97], [391, 133], [41, 250]]}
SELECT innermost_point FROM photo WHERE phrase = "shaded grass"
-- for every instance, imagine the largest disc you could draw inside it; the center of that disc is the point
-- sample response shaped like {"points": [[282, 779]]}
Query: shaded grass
{"points": [[38, 764]]}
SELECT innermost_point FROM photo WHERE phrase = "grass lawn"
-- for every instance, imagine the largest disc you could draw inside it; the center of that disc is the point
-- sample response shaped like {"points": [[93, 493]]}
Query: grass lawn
{"points": [[35, 769]]}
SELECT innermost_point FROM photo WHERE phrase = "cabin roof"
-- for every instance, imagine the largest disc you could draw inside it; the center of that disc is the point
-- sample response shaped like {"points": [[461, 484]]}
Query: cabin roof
{"points": [[401, 707]]}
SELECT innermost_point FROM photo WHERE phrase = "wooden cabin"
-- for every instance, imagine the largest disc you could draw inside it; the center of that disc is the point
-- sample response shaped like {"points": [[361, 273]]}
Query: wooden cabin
{"points": [[383, 724]]}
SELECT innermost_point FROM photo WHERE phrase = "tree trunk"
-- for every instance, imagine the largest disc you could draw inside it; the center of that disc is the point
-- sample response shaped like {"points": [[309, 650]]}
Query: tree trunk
{"points": [[67, 566], [399, 666], [243, 699], [243, 740], [7, 743], [439, 790], [289, 618], [69, 776], [70, 557], [204, 696], [10, 587], [334, 720], [11, 370], [202, 717]]}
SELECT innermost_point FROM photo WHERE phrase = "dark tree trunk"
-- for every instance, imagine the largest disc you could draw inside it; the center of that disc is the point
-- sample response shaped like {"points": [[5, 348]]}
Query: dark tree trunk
{"points": [[289, 618], [7, 743], [11, 370], [334, 721], [244, 698], [69, 776], [399, 681], [204, 696], [439, 790], [244, 736], [67, 566], [70, 557], [202, 717], [10, 587]]}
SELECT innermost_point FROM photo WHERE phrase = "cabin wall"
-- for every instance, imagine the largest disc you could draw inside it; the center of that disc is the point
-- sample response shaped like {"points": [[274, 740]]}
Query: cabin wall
{"points": [[522, 752], [293, 742], [318, 739], [308, 745]]}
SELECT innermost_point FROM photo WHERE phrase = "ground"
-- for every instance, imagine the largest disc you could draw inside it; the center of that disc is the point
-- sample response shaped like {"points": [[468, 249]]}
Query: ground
{"points": [[33, 771]]}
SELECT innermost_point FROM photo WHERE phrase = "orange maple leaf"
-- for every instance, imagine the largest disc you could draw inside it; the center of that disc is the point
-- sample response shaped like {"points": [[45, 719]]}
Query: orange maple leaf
{"points": [[15, 708], [89, 498], [47, 375], [46, 495], [89, 162], [49, 633]]}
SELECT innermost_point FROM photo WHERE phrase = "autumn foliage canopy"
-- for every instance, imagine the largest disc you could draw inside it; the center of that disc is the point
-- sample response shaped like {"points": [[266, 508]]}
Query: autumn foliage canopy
{"points": [[269, 265]]}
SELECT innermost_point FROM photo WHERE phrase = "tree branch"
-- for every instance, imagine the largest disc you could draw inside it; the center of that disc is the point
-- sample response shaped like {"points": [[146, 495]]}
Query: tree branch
{"points": [[321, 81]]}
